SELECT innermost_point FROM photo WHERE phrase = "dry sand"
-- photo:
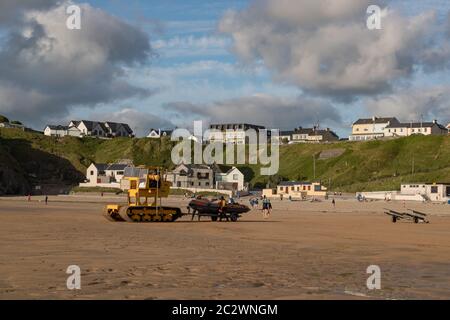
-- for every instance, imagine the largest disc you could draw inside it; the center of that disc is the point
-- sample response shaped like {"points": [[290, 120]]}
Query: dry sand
{"points": [[304, 251]]}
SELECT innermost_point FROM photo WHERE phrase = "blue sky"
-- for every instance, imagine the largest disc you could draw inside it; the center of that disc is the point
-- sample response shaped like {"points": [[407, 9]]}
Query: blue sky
{"points": [[194, 63]]}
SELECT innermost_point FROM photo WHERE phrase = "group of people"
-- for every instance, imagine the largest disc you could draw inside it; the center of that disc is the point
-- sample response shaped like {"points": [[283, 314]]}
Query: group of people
{"points": [[45, 199], [266, 205]]}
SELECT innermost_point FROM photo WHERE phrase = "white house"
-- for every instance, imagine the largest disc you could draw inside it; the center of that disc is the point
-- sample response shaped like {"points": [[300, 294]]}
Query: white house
{"points": [[61, 131], [408, 129], [370, 129], [90, 128], [105, 175], [191, 176], [55, 131], [114, 129], [232, 179], [96, 174], [73, 132], [448, 128], [439, 192], [158, 133], [314, 135], [232, 133], [116, 171], [284, 136]]}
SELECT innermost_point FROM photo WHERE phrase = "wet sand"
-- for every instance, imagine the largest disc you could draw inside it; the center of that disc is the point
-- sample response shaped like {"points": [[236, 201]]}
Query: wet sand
{"points": [[304, 251]]}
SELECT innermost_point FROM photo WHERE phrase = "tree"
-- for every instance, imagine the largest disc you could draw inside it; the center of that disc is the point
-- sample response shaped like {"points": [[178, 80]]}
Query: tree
{"points": [[16, 122]]}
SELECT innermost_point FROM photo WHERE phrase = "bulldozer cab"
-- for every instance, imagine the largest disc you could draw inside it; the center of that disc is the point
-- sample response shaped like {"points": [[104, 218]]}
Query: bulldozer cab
{"points": [[151, 185]]}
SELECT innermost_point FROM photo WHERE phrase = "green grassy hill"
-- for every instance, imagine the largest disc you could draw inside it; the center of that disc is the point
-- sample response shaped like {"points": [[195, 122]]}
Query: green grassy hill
{"points": [[32, 159]]}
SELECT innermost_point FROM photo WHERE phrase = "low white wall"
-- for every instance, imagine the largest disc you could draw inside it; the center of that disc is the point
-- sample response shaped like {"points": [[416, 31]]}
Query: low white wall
{"points": [[100, 185], [227, 192], [391, 195]]}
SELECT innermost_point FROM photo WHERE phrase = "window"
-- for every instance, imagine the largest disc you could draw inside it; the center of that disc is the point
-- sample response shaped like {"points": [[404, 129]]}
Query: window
{"points": [[92, 172], [235, 177], [434, 189], [192, 183], [292, 188], [207, 184], [199, 184]]}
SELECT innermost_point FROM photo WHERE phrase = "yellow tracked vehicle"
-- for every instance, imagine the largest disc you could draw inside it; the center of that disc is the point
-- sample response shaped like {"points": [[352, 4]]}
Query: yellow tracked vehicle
{"points": [[144, 199]]}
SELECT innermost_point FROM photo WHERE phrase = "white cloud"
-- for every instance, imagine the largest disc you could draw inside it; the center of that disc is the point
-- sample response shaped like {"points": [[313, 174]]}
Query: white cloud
{"points": [[412, 103], [47, 69], [325, 48]]}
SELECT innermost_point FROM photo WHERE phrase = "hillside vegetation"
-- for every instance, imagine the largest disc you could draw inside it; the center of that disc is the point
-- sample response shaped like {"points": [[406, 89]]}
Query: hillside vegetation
{"points": [[28, 159]]}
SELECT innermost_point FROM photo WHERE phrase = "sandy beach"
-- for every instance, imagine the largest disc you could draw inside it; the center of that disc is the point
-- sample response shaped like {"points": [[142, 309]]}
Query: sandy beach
{"points": [[304, 251]]}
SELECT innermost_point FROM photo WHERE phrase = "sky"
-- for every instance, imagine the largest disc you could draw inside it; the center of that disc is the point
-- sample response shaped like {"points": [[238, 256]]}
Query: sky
{"points": [[278, 63]]}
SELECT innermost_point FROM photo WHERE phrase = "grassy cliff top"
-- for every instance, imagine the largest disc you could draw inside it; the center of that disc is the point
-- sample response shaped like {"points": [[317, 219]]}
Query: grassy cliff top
{"points": [[346, 166]]}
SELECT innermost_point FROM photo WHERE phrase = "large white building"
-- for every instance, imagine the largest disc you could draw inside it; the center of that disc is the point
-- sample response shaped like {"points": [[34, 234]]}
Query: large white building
{"points": [[370, 129], [439, 192], [233, 133]]}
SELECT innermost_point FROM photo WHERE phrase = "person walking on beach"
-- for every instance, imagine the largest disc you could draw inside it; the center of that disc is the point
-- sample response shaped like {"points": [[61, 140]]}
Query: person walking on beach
{"points": [[222, 208], [46, 200], [29, 197], [265, 207], [333, 202]]}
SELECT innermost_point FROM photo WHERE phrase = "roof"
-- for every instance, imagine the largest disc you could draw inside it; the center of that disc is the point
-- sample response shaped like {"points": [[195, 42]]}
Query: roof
{"points": [[223, 169], [117, 166], [233, 125], [416, 125], [192, 167], [104, 125], [316, 132], [168, 132], [100, 166], [115, 125], [375, 120], [58, 127], [287, 133], [292, 183]]}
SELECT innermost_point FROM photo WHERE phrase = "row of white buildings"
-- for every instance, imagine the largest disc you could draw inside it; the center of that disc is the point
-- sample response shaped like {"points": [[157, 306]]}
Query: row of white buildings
{"points": [[86, 128], [378, 128], [190, 177], [236, 133]]}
